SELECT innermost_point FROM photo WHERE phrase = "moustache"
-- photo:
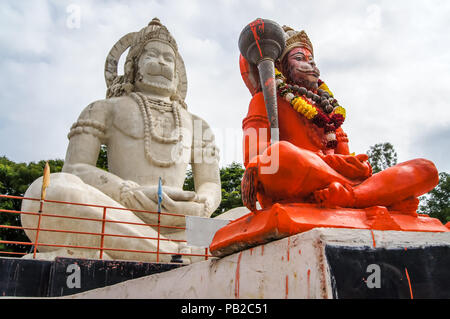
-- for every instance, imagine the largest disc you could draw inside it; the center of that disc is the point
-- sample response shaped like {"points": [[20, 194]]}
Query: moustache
{"points": [[155, 69], [309, 70]]}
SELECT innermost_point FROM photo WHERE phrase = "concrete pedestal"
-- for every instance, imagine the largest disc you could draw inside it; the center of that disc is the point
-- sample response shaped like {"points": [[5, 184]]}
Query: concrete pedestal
{"points": [[64, 276], [320, 263]]}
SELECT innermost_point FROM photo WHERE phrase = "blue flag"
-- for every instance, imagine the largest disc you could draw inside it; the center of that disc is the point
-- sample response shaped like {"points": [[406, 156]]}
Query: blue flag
{"points": [[159, 195]]}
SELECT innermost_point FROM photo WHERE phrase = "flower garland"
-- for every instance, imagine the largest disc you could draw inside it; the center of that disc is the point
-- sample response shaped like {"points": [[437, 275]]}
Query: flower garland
{"points": [[145, 103], [322, 109]]}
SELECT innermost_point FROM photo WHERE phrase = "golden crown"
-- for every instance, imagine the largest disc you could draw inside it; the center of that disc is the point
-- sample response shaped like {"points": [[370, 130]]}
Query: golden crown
{"points": [[296, 39]]}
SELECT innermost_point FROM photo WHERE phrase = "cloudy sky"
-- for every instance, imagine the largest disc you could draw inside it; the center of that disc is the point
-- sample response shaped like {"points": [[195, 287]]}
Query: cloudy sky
{"points": [[387, 62]]}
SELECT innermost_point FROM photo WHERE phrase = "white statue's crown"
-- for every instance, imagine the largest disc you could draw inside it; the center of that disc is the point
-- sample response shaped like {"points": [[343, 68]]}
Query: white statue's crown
{"points": [[136, 41]]}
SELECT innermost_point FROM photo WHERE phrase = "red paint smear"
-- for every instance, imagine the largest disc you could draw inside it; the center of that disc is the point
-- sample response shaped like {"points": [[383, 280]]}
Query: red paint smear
{"points": [[309, 274], [288, 246], [236, 280], [299, 251], [287, 287], [269, 83], [409, 283], [262, 250], [373, 239], [258, 23]]}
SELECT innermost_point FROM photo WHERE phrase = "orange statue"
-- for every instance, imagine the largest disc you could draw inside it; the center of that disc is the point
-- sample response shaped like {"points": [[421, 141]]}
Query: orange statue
{"points": [[309, 178]]}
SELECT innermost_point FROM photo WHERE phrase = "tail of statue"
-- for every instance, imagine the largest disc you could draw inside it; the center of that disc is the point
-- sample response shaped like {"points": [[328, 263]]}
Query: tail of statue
{"points": [[249, 187]]}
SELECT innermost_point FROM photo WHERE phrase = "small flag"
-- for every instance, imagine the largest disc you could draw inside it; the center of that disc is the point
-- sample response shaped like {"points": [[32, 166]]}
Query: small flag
{"points": [[45, 180], [159, 195]]}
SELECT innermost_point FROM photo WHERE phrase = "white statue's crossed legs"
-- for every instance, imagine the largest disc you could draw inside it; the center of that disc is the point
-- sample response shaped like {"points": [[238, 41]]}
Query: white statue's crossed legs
{"points": [[70, 188]]}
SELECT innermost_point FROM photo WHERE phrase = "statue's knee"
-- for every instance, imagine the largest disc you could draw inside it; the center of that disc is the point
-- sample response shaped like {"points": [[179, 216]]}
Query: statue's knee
{"points": [[59, 183], [429, 169], [425, 168], [284, 148]]}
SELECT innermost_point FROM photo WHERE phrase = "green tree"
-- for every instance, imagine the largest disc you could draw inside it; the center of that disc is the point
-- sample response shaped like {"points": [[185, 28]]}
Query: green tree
{"points": [[437, 202], [14, 181], [102, 161], [382, 156], [230, 177], [15, 178]]}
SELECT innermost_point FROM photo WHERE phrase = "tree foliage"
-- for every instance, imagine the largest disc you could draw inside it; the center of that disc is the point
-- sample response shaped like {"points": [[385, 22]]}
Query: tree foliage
{"points": [[102, 161], [382, 156], [14, 180], [437, 202], [230, 177]]}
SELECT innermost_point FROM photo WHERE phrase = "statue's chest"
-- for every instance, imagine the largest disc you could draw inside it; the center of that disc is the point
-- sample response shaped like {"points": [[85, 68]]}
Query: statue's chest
{"points": [[132, 122], [298, 130]]}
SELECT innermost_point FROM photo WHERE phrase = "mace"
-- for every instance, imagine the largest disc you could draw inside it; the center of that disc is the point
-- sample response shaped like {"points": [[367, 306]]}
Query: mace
{"points": [[261, 43]]}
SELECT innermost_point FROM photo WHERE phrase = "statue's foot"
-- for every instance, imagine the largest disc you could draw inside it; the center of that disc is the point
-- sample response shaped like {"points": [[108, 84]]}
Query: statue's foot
{"points": [[335, 194], [409, 205]]}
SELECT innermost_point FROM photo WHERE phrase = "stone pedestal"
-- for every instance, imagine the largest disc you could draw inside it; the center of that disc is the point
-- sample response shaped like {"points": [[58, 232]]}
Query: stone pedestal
{"points": [[66, 276], [320, 263]]}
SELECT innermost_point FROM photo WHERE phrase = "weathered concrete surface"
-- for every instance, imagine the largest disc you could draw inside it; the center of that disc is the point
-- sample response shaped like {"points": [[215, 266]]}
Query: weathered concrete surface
{"points": [[294, 267]]}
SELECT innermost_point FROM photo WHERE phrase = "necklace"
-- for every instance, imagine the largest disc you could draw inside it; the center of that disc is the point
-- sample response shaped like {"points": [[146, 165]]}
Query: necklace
{"points": [[322, 109], [145, 104]]}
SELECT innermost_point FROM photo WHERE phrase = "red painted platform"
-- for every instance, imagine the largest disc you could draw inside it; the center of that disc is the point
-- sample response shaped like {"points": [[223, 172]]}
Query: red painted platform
{"points": [[283, 220]]}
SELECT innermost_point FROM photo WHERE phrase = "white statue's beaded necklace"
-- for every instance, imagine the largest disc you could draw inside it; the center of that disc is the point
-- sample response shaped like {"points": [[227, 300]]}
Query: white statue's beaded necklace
{"points": [[146, 103]]}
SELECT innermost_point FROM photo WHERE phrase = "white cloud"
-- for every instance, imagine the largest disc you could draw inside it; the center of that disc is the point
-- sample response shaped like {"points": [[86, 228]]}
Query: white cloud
{"points": [[387, 62]]}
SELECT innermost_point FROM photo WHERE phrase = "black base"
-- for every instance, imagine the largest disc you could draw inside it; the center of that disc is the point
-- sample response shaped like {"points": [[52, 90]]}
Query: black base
{"points": [[419, 273], [38, 278]]}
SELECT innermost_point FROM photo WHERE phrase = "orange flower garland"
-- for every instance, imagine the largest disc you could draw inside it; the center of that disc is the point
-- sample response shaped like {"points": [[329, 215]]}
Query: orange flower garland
{"points": [[322, 108]]}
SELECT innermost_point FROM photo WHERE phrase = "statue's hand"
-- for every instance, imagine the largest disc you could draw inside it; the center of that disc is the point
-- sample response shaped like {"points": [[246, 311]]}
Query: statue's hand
{"points": [[173, 193], [177, 201], [191, 208], [354, 167], [132, 197]]}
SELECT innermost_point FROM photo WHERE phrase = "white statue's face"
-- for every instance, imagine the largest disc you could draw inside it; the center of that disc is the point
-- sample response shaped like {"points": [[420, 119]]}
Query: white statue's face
{"points": [[156, 69]]}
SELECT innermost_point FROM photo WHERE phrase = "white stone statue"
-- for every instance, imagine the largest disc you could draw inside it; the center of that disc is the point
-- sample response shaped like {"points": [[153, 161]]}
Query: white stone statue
{"points": [[149, 134]]}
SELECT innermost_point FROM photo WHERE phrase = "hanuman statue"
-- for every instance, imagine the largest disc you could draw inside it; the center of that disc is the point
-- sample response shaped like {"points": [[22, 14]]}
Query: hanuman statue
{"points": [[314, 164]]}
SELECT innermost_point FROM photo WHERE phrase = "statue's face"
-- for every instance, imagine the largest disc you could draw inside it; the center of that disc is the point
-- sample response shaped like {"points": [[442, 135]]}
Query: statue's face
{"points": [[302, 69], [156, 68]]}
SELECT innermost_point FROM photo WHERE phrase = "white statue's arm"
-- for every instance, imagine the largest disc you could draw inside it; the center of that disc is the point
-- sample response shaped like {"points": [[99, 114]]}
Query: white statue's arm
{"points": [[205, 169], [207, 185], [85, 138]]}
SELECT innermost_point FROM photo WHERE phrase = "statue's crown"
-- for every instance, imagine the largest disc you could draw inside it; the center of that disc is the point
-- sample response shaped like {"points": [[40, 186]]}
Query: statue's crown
{"points": [[136, 42], [155, 31], [296, 39]]}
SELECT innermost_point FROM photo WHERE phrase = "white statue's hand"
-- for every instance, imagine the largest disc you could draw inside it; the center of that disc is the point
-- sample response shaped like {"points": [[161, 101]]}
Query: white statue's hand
{"points": [[174, 200], [132, 197], [178, 201], [172, 192], [189, 208]]}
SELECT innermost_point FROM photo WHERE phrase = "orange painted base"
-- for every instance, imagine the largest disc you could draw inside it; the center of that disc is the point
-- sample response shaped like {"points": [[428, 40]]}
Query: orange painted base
{"points": [[282, 220]]}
